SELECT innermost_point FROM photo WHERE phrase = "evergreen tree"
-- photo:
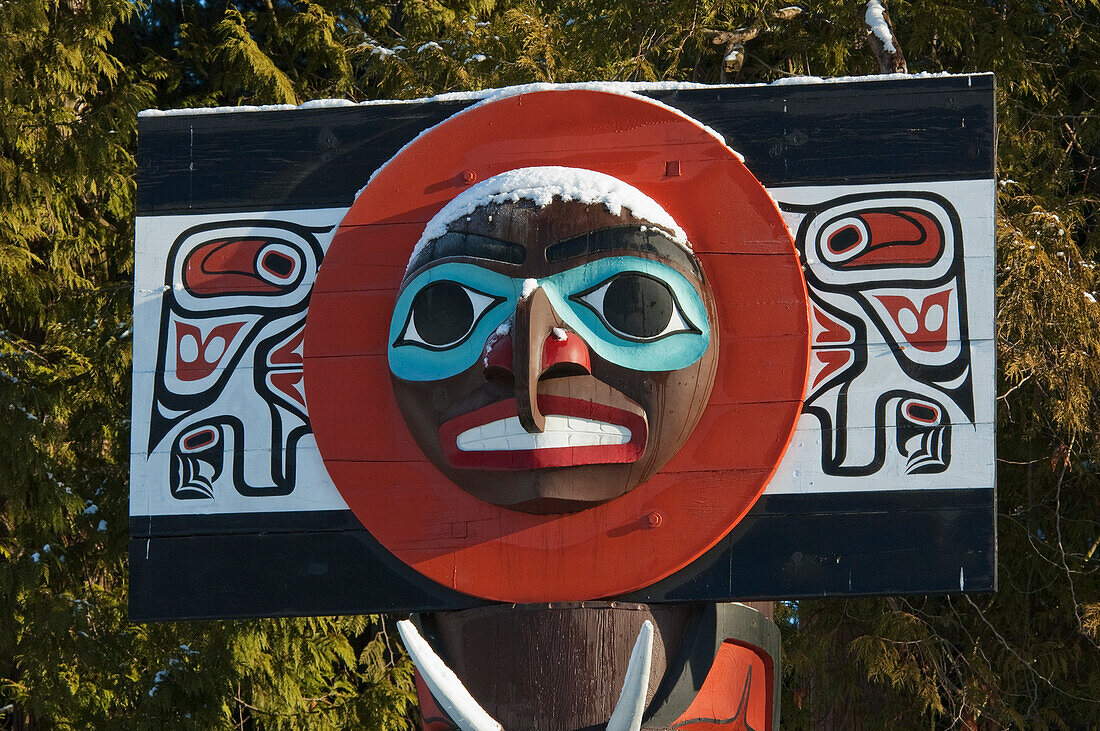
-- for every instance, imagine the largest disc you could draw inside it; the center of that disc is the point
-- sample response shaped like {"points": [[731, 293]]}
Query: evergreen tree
{"points": [[73, 74]]}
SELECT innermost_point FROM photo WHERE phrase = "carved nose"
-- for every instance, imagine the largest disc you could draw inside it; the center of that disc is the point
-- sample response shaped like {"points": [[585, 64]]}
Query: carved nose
{"points": [[536, 343]]}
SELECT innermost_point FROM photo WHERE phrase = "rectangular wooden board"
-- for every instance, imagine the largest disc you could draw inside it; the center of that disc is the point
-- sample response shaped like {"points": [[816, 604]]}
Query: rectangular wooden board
{"points": [[850, 511]]}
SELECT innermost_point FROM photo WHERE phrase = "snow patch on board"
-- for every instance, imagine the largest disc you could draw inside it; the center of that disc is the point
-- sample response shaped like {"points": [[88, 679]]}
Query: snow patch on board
{"points": [[629, 88], [544, 184], [800, 80]]}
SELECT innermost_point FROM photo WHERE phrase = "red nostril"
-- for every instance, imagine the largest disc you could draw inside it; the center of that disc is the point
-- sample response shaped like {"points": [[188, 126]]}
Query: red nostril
{"points": [[565, 347], [560, 347], [498, 352]]}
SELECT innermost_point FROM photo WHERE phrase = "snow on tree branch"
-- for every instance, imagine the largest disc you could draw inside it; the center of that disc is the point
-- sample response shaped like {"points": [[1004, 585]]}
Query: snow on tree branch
{"points": [[883, 41]]}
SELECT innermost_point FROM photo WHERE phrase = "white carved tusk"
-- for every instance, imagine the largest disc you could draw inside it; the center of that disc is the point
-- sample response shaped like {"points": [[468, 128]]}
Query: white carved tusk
{"points": [[627, 715], [448, 690]]}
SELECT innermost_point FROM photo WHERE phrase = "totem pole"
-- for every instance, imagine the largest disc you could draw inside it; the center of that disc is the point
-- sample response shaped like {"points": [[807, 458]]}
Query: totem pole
{"points": [[552, 349], [561, 373]]}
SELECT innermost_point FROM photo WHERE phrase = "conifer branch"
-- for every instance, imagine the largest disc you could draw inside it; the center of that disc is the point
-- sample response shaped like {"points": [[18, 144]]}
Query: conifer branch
{"points": [[732, 42], [1023, 662]]}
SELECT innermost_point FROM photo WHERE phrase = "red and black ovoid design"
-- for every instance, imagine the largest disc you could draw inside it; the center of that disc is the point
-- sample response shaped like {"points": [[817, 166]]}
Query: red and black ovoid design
{"points": [[888, 299], [235, 298]]}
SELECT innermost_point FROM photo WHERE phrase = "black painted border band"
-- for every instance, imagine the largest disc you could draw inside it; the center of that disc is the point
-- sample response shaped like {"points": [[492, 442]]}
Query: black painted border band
{"points": [[789, 546], [798, 134]]}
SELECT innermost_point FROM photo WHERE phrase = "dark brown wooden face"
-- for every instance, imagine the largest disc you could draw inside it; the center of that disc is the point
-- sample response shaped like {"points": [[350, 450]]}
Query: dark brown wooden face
{"points": [[548, 359]]}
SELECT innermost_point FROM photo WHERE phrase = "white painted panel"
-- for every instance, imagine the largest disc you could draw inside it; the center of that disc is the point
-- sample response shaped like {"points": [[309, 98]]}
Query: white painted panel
{"points": [[801, 471]]}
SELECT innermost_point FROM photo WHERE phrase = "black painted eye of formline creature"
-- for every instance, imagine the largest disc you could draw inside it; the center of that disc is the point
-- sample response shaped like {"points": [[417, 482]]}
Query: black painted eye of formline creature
{"points": [[546, 357]]}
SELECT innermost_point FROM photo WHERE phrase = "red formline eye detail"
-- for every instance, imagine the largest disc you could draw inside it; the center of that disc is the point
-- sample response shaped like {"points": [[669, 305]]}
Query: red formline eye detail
{"points": [[922, 413], [898, 238], [202, 438], [229, 266]]}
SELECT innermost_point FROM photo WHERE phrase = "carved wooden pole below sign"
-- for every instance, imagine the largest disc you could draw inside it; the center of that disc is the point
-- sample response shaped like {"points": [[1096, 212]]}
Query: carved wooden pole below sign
{"points": [[597, 665]]}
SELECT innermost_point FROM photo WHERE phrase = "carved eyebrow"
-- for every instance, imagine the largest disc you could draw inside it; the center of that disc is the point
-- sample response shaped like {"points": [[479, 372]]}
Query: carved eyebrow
{"points": [[645, 239], [476, 246]]}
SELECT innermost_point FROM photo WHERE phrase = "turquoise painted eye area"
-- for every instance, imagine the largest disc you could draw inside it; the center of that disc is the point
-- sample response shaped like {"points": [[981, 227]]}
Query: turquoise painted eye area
{"points": [[443, 317], [443, 314], [636, 306], [637, 313]]}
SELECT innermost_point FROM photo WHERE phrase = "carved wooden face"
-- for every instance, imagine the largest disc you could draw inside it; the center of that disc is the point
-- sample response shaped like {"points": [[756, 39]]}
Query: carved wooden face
{"points": [[551, 358]]}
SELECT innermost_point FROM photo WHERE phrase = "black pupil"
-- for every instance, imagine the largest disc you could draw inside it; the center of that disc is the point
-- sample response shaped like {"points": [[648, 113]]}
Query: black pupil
{"points": [[637, 305], [279, 264], [844, 239], [442, 313]]}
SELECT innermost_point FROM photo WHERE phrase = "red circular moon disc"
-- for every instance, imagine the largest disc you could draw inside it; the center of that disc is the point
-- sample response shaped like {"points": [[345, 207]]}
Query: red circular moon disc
{"points": [[763, 329]]}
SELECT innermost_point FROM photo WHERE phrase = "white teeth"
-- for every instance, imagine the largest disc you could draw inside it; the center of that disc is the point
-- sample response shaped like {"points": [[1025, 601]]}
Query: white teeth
{"points": [[508, 435]]}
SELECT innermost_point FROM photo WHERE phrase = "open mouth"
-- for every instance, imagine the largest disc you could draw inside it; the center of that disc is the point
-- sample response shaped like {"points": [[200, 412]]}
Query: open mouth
{"points": [[577, 432]]}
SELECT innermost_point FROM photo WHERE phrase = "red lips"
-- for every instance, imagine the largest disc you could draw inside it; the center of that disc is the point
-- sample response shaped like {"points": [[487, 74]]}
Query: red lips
{"points": [[577, 432]]}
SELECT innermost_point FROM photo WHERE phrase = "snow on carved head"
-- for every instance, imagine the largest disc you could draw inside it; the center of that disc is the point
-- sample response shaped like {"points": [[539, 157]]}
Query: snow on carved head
{"points": [[542, 185]]}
